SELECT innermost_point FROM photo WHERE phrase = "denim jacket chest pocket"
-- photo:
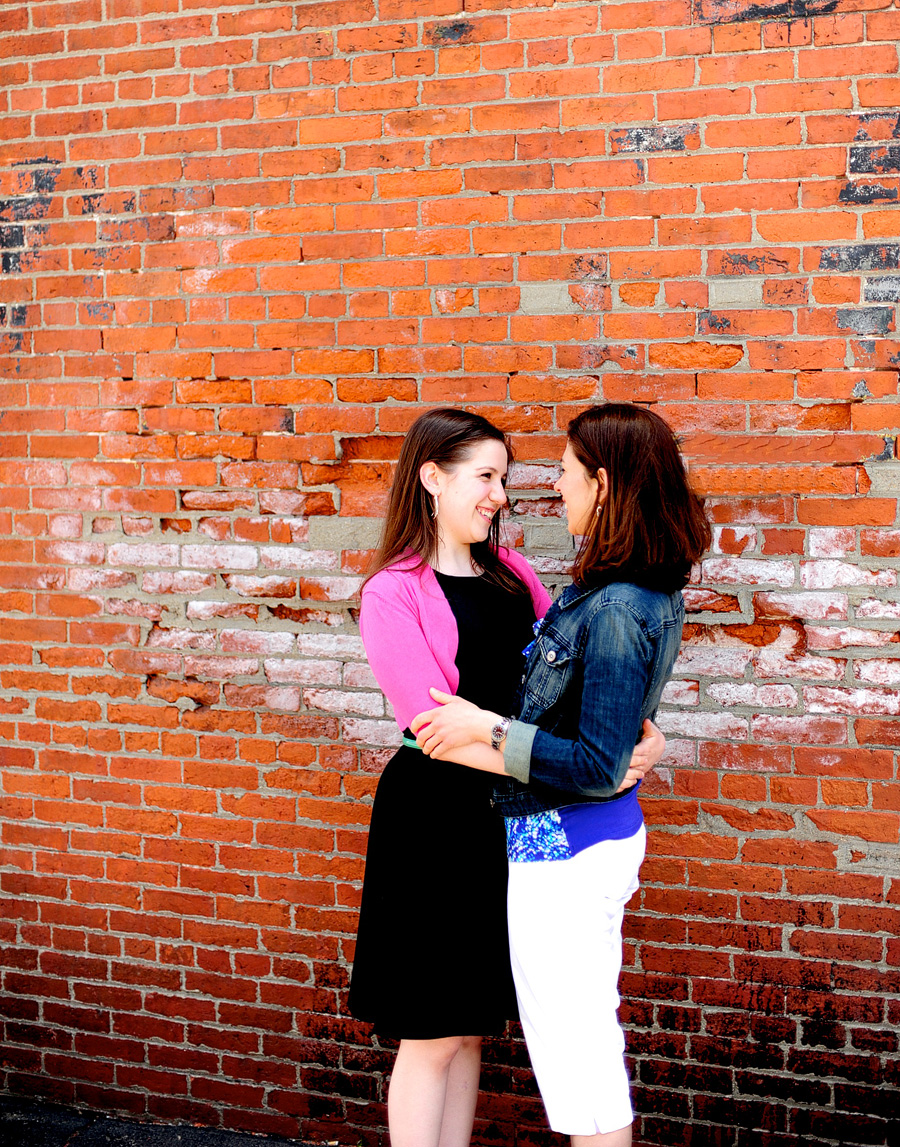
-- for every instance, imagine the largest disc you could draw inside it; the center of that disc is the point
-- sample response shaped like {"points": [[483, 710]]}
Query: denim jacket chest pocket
{"points": [[550, 669]]}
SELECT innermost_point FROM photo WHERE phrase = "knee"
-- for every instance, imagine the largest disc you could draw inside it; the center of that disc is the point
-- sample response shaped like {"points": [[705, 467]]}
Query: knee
{"points": [[440, 1053]]}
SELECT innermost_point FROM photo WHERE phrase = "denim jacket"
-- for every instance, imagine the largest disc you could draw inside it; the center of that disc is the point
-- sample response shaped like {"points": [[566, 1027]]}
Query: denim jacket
{"points": [[595, 671]]}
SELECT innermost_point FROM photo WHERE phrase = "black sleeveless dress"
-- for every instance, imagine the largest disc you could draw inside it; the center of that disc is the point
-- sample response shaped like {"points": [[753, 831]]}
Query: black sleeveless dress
{"points": [[432, 953]]}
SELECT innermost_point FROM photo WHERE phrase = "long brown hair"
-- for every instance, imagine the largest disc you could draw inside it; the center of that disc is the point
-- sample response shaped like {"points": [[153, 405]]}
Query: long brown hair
{"points": [[446, 437], [651, 527]]}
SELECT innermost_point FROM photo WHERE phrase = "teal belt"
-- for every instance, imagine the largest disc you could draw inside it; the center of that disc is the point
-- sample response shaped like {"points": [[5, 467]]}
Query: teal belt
{"points": [[411, 743]]}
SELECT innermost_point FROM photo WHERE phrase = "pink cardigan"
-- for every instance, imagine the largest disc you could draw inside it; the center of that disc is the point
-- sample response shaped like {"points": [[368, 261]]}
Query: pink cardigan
{"points": [[410, 633]]}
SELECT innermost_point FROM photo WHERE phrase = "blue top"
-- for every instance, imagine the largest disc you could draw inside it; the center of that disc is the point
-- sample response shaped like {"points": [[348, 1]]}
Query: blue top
{"points": [[561, 833]]}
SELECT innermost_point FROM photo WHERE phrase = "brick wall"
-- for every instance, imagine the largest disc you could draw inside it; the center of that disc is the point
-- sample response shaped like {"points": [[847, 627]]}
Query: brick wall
{"points": [[243, 245]]}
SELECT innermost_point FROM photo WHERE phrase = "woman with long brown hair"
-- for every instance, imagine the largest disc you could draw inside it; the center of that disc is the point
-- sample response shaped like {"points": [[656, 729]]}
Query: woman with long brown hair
{"points": [[575, 840], [445, 605]]}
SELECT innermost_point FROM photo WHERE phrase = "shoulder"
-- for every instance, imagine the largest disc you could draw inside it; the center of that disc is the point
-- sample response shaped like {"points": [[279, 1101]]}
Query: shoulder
{"points": [[402, 579], [653, 609]]}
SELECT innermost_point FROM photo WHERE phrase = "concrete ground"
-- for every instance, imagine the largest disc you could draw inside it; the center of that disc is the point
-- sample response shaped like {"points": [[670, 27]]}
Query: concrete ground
{"points": [[27, 1123]]}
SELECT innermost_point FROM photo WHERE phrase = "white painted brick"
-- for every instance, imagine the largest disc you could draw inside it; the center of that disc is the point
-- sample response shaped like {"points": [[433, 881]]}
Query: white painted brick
{"points": [[698, 600], [220, 557], [76, 553], [256, 641], [759, 696], [773, 663], [86, 579], [65, 525], [854, 702], [360, 732], [303, 672], [344, 701], [331, 644], [830, 574], [681, 693], [747, 571], [878, 671], [121, 607], [680, 754], [523, 476], [800, 730], [204, 610], [181, 639], [245, 585], [831, 541], [263, 696], [815, 606], [220, 668], [713, 660], [183, 581], [550, 567], [282, 502], [293, 558], [333, 588], [704, 726], [58, 579], [358, 675], [834, 637], [875, 608], [142, 555]]}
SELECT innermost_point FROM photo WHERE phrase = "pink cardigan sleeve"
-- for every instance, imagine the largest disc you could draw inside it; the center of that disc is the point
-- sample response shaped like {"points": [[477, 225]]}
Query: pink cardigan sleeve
{"points": [[400, 657]]}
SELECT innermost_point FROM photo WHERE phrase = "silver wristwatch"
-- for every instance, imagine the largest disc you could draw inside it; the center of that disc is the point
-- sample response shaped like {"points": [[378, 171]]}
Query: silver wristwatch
{"points": [[499, 731]]}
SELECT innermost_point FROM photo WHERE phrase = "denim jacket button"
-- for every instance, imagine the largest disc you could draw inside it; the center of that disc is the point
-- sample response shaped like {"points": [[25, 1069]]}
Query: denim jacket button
{"points": [[551, 656]]}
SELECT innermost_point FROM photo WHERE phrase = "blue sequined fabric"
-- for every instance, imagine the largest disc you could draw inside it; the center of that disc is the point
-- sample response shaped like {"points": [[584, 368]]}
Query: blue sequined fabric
{"points": [[540, 836]]}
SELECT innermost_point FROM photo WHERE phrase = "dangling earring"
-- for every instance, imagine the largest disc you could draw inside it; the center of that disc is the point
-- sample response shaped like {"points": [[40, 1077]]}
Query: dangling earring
{"points": [[435, 507]]}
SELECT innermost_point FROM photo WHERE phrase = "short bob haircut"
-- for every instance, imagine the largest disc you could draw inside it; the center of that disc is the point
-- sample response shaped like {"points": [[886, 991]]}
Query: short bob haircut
{"points": [[651, 527], [446, 437]]}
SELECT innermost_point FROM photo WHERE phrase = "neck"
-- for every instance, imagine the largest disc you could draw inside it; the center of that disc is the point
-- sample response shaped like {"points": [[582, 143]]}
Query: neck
{"points": [[454, 559]]}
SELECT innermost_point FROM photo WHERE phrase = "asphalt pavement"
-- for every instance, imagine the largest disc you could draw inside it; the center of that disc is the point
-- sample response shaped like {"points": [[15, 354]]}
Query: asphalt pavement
{"points": [[27, 1123]]}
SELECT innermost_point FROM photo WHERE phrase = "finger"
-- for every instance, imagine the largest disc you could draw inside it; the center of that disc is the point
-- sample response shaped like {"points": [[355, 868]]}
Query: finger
{"points": [[438, 695], [423, 718]]}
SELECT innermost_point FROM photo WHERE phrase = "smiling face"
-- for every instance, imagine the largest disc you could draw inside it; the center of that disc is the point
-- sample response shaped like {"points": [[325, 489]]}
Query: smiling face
{"points": [[470, 494], [579, 491]]}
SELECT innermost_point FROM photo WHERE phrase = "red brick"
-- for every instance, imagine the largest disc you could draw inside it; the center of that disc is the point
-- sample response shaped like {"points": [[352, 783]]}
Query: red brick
{"points": [[227, 335]]}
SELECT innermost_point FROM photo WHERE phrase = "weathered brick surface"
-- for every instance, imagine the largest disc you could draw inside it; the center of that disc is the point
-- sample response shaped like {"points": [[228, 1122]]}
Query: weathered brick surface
{"points": [[242, 245]]}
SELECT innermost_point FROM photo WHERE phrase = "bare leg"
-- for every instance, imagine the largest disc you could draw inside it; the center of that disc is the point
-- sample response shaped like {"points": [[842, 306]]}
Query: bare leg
{"points": [[431, 1100], [620, 1138], [462, 1094]]}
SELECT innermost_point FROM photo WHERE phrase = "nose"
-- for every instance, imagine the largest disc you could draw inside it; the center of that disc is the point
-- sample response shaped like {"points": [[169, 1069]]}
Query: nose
{"points": [[499, 494], [556, 484]]}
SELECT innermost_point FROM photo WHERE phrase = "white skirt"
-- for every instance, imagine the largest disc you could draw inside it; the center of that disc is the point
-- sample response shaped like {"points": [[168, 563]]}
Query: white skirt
{"points": [[565, 935]]}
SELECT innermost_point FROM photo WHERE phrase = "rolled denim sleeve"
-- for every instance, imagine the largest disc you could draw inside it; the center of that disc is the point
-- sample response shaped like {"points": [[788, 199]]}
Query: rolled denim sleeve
{"points": [[618, 661], [517, 750]]}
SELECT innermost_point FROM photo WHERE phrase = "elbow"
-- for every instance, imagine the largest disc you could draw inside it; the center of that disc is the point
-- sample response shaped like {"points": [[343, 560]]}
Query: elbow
{"points": [[598, 779]]}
